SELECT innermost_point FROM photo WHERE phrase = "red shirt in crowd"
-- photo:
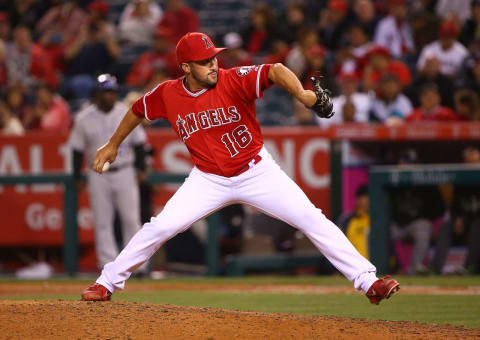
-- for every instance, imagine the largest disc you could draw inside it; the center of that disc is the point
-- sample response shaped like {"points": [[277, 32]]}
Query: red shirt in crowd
{"points": [[396, 68], [440, 113], [217, 124], [143, 70], [256, 41], [179, 22], [57, 116], [41, 66]]}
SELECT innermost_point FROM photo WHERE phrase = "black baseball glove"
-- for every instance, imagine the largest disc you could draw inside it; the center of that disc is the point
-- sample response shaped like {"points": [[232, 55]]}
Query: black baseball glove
{"points": [[323, 107]]}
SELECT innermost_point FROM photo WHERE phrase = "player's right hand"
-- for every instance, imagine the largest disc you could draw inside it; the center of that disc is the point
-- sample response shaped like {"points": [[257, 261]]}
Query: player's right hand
{"points": [[106, 153]]}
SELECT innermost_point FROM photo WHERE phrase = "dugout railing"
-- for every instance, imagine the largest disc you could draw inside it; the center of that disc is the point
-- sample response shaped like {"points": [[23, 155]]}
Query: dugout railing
{"points": [[383, 177], [70, 247]]}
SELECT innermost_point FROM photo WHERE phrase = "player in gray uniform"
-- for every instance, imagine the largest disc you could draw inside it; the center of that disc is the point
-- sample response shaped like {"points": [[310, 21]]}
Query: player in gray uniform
{"points": [[118, 190]]}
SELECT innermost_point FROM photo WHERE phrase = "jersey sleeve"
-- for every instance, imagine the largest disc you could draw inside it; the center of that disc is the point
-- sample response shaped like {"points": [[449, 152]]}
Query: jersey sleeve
{"points": [[250, 81], [151, 105], [77, 139]]}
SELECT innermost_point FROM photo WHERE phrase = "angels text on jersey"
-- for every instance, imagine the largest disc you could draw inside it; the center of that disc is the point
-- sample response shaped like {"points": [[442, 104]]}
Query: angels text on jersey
{"points": [[207, 119]]}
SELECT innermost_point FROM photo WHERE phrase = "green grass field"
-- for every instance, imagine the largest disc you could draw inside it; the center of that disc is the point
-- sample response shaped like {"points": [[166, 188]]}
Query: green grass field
{"points": [[455, 309]]}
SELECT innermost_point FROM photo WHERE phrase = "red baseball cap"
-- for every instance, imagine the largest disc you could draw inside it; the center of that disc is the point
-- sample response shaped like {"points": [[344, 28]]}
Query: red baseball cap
{"points": [[99, 6], [348, 75], [380, 50], [316, 50], [448, 28], [338, 6], [195, 46]]}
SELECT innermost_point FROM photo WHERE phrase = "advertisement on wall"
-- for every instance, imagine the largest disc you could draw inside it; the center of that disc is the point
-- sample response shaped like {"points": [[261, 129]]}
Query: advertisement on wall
{"points": [[33, 214]]}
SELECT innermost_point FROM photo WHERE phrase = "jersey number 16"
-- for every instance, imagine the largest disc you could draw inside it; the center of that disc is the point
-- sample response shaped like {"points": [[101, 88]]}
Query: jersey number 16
{"points": [[240, 136]]}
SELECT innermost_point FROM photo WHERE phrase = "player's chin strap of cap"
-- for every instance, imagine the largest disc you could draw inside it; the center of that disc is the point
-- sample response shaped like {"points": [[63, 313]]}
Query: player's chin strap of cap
{"points": [[255, 160]]}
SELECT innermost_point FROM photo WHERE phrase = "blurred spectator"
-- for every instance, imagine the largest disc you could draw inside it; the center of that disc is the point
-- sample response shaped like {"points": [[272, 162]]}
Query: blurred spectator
{"points": [[162, 57], [380, 63], [464, 225], [471, 27], [394, 31], [159, 76], [333, 23], [62, 22], [179, 19], [89, 54], [449, 52], [413, 210], [4, 26], [360, 40], [315, 58], [458, 10], [279, 52], [293, 20], [296, 59], [261, 33], [15, 100], [467, 105], [26, 12], [3, 67], [351, 105], [138, 22], [424, 23], [365, 15], [27, 62], [235, 55], [9, 124], [50, 112], [98, 15], [354, 53], [470, 72], [390, 105], [430, 108], [431, 74], [356, 224]]}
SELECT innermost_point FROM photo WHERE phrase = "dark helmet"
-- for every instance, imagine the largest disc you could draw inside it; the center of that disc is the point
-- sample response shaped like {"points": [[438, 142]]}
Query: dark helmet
{"points": [[106, 82]]}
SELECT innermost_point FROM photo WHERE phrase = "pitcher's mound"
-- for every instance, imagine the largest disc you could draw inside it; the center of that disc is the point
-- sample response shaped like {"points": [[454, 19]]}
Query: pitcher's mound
{"points": [[129, 320]]}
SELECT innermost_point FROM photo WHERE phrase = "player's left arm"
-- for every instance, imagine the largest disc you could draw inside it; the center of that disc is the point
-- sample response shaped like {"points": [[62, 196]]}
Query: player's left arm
{"points": [[318, 100]]}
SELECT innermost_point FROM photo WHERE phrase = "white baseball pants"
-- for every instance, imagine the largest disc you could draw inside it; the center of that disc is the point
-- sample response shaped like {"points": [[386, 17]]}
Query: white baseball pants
{"points": [[109, 192], [266, 187]]}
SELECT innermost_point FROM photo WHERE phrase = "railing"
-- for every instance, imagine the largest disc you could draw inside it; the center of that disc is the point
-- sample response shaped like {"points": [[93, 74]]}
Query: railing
{"points": [[382, 177], [70, 247]]}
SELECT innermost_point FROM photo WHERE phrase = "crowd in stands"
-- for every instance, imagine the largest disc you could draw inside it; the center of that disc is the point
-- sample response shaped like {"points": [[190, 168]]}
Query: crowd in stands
{"points": [[386, 61]]}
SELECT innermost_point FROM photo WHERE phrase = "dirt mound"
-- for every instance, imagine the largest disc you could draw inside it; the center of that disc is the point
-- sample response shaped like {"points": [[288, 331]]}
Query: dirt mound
{"points": [[51, 288], [126, 320]]}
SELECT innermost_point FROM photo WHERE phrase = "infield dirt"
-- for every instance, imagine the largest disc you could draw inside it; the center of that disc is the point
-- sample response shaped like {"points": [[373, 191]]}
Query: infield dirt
{"points": [[62, 319]]}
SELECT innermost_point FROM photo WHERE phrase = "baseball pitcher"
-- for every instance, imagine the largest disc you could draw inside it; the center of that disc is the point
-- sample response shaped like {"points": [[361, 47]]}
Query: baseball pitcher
{"points": [[213, 112]]}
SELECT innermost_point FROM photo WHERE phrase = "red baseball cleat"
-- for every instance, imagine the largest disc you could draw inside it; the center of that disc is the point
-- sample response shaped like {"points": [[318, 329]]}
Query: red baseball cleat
{"points": [[382, 289], [96, 292]]}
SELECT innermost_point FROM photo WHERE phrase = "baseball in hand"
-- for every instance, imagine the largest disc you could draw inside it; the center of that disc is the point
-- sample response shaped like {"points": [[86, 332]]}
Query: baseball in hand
{"points": [[106, 166]]}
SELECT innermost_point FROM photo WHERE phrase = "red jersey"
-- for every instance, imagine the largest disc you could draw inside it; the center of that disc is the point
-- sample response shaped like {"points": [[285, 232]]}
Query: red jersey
{"points": [[440, 113], [218, 124]]}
